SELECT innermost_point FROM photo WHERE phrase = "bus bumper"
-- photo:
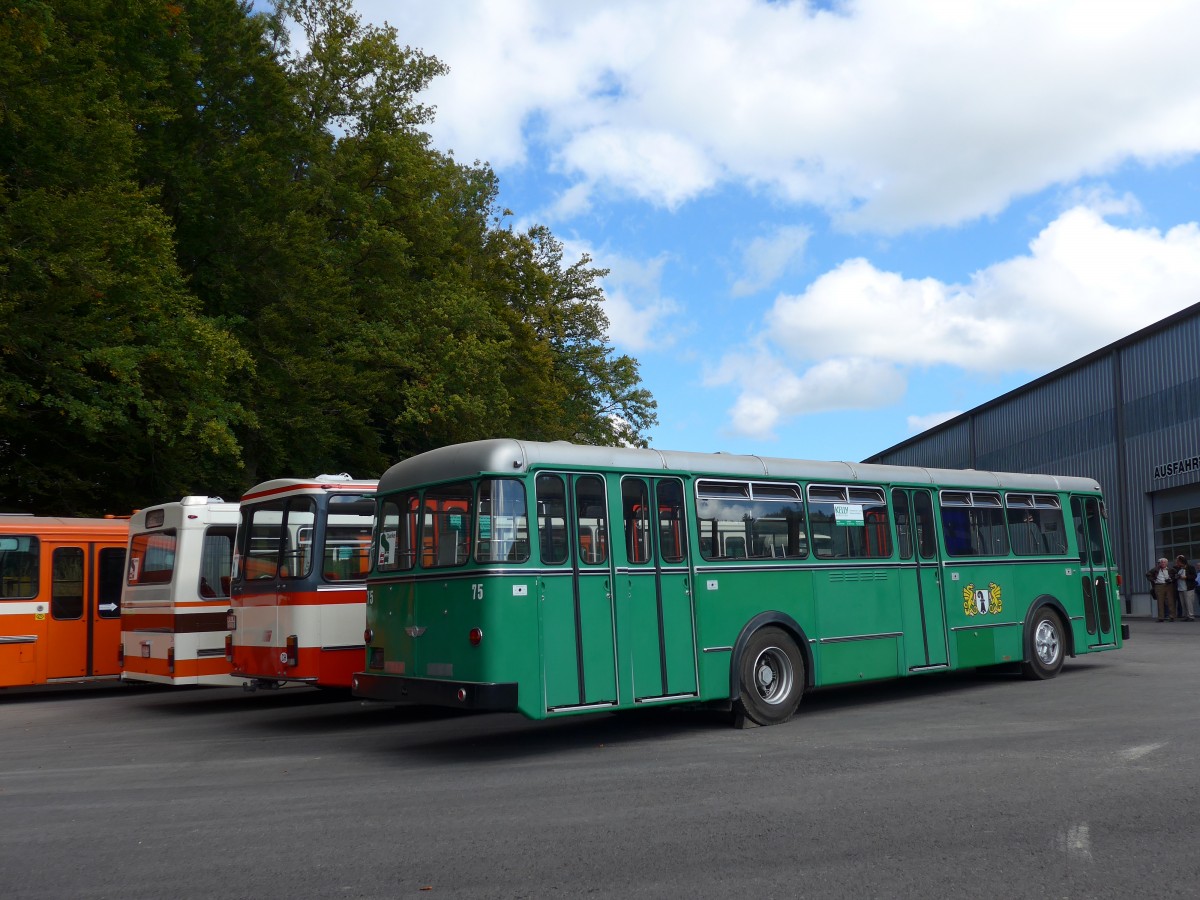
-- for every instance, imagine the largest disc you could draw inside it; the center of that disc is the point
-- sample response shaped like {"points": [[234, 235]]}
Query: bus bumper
{"points": [[501, 697]]}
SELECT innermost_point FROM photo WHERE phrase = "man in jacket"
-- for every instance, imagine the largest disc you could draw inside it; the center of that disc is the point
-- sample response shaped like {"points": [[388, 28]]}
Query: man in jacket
{"points": [[1185, 586], [1162, 580]]}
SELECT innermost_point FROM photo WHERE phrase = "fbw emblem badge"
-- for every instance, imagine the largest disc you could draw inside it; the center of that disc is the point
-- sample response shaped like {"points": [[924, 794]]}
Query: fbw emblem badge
{"points": [[983, 601]]}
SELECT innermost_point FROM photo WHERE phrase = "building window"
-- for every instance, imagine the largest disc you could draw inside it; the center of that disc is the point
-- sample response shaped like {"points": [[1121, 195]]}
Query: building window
{"points": [[1178, 532]]}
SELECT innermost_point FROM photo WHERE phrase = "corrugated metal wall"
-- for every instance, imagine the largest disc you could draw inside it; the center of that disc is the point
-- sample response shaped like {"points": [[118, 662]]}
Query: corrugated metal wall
{"points": [[1145, 389]]}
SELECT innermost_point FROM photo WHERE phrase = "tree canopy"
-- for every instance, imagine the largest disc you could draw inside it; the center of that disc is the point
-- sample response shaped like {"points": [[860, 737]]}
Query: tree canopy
{"points": [[225, 259]]}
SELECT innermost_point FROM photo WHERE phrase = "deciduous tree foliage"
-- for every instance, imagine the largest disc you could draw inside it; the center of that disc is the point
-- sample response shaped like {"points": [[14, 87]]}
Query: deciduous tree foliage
{"points": [[113, 385], [225, 258]]}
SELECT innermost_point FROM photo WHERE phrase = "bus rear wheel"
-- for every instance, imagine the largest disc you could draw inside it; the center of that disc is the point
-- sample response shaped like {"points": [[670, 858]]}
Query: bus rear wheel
{"points": [[770, 677], [1046, 646]]}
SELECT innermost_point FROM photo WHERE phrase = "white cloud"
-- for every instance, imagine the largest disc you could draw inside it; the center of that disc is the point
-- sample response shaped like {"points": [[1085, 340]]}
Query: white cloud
{"points": [[765, 259], [887, 114], [640, 316], [917, 424], [1083, 284], [772, 392]]}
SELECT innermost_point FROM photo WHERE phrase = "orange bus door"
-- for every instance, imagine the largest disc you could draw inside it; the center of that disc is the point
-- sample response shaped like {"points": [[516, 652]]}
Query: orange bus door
{"points": [[84, 626], [105, 607], [67, 629]]}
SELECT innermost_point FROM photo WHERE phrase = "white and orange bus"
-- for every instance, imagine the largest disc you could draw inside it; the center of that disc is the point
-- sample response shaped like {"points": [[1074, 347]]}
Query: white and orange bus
{"points": [[60, 598], [176, 597], [299, 593]]}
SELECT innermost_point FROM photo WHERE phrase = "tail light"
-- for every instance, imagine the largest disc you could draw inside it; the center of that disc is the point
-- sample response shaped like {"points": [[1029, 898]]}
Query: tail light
{"points": [[231, 620], [229, 647], [1118, 579], [368, 635], [121, 654], [293, 650], [475, 637], [171, 660]]}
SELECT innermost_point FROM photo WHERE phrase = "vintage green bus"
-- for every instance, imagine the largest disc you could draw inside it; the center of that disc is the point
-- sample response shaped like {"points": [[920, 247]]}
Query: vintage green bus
{"points": [[554, 579]]}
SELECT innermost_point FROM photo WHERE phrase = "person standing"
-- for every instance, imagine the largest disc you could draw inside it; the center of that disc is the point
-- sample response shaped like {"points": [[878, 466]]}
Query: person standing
{"points": [[1163, 583], [1185, 585]]}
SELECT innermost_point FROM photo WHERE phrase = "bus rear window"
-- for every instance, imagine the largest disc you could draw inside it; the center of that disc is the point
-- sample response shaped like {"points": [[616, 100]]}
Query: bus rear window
{"points": [[347, 554], [18, 567], [278, 539], [446, 529], [215, 560], [502, 525], [152, 558], [397, 533]]}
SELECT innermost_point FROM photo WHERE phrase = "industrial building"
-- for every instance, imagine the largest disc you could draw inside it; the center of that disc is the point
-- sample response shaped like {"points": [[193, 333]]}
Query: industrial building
{"points": [[1127, 415]]}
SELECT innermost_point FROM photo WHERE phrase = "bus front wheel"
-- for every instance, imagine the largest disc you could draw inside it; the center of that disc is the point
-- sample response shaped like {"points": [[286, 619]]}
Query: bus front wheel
{"points": [[770, 677], [1047, 646]]}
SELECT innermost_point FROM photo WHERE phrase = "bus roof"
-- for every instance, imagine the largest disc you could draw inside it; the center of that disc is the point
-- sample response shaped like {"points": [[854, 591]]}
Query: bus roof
{"points": [[331, 483], [213, 510], [21, 524], [506, 456]]}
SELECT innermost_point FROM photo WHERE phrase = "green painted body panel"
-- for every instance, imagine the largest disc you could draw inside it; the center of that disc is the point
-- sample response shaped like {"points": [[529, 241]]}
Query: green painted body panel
{"points": [[637, 631]]}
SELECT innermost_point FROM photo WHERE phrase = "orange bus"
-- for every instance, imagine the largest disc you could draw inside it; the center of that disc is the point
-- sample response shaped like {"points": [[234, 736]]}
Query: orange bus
{"points": [[60, 598]]}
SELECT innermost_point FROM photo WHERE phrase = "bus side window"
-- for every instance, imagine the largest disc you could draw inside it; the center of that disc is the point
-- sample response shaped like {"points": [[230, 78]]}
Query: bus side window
{"points": [[635, 499], [19, 567], [903, 524], [592, 523], [66, 585], [552, 519]]}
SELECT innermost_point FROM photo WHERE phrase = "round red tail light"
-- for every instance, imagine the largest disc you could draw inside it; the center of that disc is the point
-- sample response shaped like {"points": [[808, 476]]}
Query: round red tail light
{"points": [[476, 636], [368, 635]]}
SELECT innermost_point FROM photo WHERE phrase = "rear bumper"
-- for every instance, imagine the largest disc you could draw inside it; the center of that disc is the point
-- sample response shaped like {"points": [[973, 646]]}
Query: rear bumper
{"points": [[496, 697]]}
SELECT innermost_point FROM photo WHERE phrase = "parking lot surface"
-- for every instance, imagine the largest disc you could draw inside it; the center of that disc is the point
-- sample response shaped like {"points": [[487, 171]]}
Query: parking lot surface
{"points": [[976, 784]]}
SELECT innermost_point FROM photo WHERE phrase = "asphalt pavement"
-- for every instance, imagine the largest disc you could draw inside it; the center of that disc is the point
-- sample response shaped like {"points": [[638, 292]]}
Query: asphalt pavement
{"points": [[974, 784]]}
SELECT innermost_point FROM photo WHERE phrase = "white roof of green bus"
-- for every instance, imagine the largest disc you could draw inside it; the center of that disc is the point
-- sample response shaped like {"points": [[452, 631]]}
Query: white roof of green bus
{"points": [[506, 456]]}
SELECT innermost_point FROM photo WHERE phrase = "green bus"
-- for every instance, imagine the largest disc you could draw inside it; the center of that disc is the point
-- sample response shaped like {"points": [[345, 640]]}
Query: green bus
{"points": [[555, 579]]}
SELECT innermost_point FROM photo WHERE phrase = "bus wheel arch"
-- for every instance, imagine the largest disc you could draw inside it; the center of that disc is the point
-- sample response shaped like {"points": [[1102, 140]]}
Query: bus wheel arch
{"points": [[1047, 641], [770, 668]]}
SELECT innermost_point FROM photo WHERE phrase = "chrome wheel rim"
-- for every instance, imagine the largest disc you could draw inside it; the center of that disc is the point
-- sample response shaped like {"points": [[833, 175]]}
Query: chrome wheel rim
{"points": [[773, 675], [1046, 643]]}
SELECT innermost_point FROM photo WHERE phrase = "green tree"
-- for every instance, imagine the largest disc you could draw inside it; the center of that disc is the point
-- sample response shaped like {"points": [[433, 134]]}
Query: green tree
{"points": [[114, 389], [577, 387]]}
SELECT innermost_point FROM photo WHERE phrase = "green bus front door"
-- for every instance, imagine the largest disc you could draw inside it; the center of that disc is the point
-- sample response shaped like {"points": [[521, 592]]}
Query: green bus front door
{"points": [[578, 638], [1095, 576], [659, 632], [920, 581]]}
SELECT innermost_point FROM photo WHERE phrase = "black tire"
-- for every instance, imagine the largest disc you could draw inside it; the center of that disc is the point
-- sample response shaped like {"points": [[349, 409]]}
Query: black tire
{"points": [[770, 677], [1046, 646]]}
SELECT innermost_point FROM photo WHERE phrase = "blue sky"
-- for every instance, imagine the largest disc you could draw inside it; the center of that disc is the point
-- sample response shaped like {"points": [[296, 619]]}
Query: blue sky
{"points": [[831, 225]]}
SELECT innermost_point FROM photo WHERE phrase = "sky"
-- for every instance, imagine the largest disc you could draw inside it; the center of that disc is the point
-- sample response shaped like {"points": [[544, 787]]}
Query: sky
{"points": [[832, 225]]}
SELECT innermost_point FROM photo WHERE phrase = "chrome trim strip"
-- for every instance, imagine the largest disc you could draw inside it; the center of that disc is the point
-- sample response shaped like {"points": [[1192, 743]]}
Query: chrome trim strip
{"points": [[1005, 561], [987, 625], [664, 699], [603, 704], [929, 668], [861, 637], [346, 647], [718, 649], [18, 639], [348, 586]]}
